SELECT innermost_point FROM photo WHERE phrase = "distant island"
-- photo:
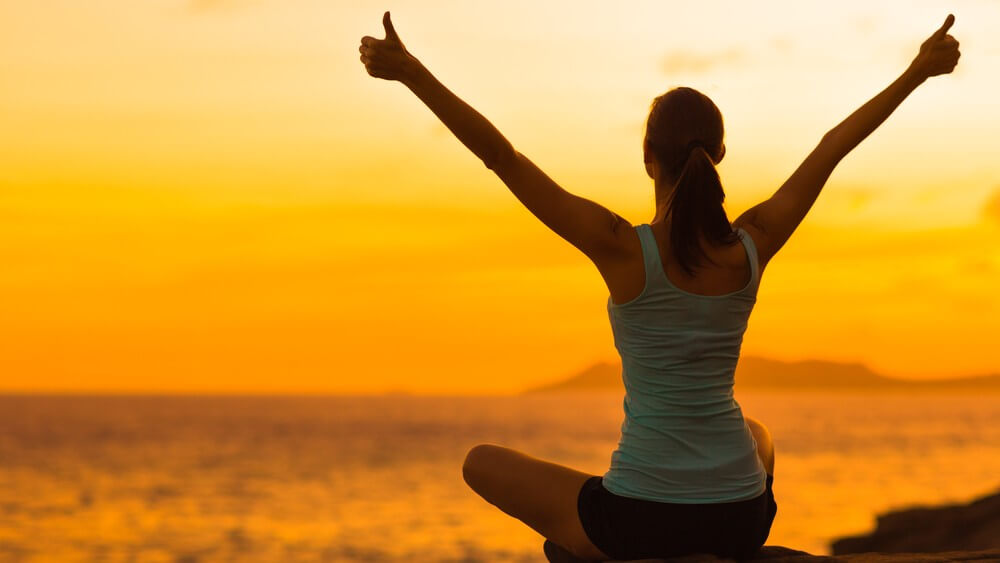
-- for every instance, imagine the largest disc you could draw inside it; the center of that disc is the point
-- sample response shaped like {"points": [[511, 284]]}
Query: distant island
{"points": [[762, 373]]}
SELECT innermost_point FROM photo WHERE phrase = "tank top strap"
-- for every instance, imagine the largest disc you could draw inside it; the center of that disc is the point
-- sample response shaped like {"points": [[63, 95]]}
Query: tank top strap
{"points": [[751, 254], [654, 266], [650, 252]]}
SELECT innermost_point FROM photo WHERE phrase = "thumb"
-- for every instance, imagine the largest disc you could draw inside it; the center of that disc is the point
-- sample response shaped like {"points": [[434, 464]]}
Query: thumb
{"points": [[939, 34], [390, 32]]}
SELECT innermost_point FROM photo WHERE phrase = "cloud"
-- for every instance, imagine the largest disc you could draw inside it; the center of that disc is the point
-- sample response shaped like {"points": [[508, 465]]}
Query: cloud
{"points": [[690, 62], [201, 6], [782, 44], [991, 209], [859, 198], [978, 267], [865, 25]]}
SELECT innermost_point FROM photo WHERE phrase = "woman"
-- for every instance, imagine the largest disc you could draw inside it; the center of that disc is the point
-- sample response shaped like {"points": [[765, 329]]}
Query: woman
{"points": [[691, 474]]}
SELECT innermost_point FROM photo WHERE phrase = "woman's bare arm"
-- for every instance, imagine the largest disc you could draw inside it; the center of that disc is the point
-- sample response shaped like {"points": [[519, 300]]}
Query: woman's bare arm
{"points": [[585, 224], [775, 219]]}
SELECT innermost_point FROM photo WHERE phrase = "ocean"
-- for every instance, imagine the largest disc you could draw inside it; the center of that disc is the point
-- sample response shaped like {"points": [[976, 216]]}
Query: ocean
{"points": [[378, 478]]}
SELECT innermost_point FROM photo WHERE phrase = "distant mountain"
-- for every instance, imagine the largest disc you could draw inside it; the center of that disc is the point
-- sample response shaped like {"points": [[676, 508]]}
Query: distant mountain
{"points": [[598, 377], [762, 373]]}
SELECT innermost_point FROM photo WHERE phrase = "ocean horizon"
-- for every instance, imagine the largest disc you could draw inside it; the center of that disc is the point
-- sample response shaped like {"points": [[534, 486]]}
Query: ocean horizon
{"points": [[377, 477]]}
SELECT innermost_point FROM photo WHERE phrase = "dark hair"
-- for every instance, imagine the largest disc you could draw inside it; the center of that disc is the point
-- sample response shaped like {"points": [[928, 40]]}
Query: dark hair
{"points": [[684, 132]]}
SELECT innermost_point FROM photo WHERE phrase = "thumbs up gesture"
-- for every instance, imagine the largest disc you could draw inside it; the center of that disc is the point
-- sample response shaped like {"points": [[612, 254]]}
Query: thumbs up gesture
{"points": [[386, 58], [938, 54]]}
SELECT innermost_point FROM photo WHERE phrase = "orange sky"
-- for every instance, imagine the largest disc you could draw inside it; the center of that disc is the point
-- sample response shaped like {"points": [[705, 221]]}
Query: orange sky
{"points": [[215, 196]]}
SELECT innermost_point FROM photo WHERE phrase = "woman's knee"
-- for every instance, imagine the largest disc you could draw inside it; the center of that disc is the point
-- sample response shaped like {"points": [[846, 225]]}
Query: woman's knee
{"points": [[478, 458], [765, 445]]}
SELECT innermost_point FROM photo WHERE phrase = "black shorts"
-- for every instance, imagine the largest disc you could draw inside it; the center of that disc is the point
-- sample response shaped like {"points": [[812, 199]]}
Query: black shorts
{"points": [[629, 528]]}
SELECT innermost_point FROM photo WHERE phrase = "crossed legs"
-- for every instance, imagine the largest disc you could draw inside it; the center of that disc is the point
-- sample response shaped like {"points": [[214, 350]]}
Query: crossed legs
{"points": [[543, 494]]}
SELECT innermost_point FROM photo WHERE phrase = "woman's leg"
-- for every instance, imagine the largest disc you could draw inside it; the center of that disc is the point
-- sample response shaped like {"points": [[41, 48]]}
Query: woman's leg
{"points": [[765, 446], [539, 493]]}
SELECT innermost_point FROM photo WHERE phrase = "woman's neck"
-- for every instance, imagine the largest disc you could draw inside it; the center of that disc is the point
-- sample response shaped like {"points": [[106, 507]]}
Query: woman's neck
{"points": [[663, 192]]}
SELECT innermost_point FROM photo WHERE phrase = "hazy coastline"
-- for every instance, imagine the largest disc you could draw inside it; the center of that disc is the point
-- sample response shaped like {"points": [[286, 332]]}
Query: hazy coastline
{"points": [[766, 374]]}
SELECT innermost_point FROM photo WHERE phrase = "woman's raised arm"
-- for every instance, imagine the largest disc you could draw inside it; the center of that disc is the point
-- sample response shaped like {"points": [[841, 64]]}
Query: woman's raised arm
{"points": [[590, 227], [774, 220]]}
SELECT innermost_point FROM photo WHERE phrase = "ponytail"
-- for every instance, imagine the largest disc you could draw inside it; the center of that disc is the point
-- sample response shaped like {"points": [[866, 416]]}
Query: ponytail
{"points": [[695, 208]]}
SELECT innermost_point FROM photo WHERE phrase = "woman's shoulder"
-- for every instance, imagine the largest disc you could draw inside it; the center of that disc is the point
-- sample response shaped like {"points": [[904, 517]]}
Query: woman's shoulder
{"points": [[628, 239], [754, 236]]}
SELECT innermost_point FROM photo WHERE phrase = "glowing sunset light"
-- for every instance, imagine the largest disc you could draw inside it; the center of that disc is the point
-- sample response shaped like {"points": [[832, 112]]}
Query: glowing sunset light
{"points": [[215, 196]]}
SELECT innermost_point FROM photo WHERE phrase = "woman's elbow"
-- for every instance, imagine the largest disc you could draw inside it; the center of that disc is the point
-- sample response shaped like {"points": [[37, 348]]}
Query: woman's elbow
{"points": [[498, 159]]}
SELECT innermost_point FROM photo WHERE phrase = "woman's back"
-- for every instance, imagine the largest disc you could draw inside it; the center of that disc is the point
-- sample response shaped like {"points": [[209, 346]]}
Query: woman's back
{"points": [[727, 273], [684, 438]]}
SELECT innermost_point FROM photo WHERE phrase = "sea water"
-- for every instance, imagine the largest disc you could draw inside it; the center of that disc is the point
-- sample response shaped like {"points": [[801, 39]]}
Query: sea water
{"points": [[378, 478]]}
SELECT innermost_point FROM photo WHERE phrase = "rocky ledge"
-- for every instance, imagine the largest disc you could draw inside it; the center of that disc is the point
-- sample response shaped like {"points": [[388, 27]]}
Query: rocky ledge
{"points": [[958, 532], [778, 554], [972, 526]]}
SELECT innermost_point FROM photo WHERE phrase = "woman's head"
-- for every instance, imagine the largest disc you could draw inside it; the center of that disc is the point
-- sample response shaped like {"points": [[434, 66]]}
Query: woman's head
{"points": [[683, 143], [681, 117]]}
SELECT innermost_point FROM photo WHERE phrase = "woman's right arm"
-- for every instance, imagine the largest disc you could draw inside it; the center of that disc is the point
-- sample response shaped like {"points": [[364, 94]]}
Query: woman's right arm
{"points": [[774, 220]]}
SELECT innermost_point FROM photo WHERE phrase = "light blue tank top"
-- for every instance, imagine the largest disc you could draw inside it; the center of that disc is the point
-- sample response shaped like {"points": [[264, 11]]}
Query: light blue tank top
{"points": [[684, 438]]}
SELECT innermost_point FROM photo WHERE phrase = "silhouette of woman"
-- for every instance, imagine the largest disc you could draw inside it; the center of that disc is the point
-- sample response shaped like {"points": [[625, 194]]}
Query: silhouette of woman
{"points": [[691, 473]]}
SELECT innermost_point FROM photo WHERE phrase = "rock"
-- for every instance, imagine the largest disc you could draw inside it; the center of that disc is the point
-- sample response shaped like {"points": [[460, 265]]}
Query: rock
{"points": [[969, 532], [782, 554], [973, 526], [779, 554]]}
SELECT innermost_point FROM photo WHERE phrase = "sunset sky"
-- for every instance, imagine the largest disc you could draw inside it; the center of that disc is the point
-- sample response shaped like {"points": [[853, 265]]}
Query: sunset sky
{"points": [[215, 196]]}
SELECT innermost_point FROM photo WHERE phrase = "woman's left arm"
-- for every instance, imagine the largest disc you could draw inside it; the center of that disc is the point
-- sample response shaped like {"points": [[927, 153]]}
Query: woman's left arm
{"points": [[590, 227]]}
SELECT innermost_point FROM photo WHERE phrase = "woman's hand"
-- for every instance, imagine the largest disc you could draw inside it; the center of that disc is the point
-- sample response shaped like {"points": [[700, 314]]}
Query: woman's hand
{"points": [[938, 54], [386, 58]]}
